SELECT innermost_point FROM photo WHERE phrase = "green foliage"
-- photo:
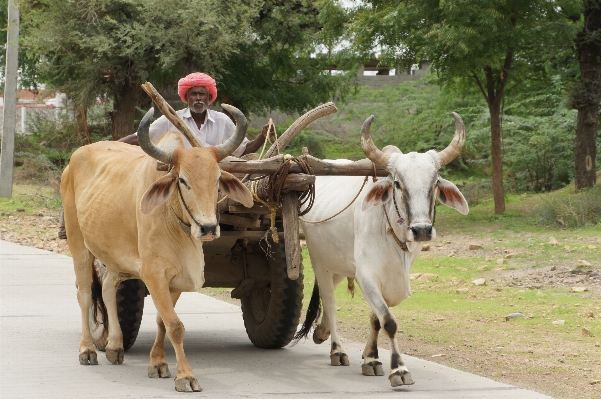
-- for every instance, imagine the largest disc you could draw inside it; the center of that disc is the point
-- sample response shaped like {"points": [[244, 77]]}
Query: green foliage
{"points": [[568, 209], [260, 52]]}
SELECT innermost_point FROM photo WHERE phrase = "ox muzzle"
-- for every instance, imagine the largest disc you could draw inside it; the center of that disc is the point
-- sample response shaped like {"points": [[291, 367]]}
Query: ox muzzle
{"points": [[422, 231]]}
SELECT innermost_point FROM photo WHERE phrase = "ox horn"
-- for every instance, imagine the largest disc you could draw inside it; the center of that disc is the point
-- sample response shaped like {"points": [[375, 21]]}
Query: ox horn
{"points": [[456, 145], [368, 146], [147, 145], [230, 145]]}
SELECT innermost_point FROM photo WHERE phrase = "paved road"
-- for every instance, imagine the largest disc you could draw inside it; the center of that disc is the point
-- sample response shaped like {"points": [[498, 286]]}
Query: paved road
{"points": [[39, 337]]}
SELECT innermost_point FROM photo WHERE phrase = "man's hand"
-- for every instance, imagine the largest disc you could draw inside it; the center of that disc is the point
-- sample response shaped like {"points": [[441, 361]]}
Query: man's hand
{"points": [[272, 135]]}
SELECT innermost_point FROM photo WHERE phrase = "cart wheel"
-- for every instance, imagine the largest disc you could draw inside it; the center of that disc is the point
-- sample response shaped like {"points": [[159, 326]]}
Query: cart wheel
{"points": [[130, 306], [271, 314]]}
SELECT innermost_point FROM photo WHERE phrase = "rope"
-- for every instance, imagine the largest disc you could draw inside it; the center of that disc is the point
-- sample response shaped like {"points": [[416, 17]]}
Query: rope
{"points": [[344, 209], [275, 183], [400, 243]]}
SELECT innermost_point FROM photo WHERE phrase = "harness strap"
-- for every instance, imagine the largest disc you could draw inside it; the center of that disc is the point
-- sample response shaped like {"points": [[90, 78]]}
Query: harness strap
{"points": [[401, 244], [186, 228]]}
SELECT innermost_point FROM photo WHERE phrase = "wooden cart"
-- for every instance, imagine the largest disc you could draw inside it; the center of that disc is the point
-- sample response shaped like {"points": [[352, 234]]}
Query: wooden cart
{"points": [[258, 253]]}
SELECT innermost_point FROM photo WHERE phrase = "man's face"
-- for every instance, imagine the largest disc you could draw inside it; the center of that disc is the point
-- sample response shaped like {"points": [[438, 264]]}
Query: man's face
{"points": [[198, 99]]}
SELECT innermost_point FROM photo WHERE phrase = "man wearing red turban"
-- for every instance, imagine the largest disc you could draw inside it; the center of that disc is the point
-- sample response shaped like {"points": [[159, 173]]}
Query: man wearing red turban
{"points": [[199, 90]]}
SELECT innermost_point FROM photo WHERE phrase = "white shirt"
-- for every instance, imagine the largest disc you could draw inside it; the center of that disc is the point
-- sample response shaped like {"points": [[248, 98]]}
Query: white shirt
{"points": [[217, 128]]}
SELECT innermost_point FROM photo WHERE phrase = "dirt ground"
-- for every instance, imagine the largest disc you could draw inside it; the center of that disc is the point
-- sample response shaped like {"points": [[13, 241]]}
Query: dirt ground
{"points": [[535, 365]]}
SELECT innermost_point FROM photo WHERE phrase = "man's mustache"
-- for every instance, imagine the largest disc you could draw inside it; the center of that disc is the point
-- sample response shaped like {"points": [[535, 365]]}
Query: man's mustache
{"points": [[200, 103]]}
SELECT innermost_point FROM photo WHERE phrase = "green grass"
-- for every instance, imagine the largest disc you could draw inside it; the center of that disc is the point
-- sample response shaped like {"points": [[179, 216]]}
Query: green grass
{"points": [[31, 198]]}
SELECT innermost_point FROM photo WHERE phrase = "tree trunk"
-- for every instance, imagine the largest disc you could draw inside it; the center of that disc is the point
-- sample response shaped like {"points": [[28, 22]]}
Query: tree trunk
{"points": [[124, 111], [587, 96], [497, 156]]}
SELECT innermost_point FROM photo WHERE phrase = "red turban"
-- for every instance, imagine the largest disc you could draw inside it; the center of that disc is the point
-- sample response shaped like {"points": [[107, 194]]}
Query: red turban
{"points": [[197, 79]]}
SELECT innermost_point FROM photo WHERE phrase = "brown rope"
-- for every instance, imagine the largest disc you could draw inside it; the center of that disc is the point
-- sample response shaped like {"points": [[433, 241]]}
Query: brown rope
{"points": [[275, 182]]}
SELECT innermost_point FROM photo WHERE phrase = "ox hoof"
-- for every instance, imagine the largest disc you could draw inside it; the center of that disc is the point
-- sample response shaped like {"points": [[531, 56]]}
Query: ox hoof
{"points": [[372, 368], [160, 370], [397, 379], [339, 359], [115, 356], [187, 384], [88, 357]]}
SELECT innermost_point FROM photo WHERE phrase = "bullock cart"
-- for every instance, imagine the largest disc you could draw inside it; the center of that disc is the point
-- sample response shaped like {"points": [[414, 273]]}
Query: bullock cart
{"points": [[258, 253]]}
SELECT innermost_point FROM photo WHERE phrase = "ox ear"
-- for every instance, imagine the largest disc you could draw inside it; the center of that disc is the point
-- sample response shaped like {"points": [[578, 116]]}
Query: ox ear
{"points": [[449, 194], [158, 193], [233, 188], [380, 193]]}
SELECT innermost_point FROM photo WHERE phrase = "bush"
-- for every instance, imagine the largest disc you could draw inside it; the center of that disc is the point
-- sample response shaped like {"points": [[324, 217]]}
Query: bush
{"points": [[572, 210]]}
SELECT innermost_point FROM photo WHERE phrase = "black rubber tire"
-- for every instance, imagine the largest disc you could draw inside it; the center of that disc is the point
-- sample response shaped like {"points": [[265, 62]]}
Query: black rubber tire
{"points": [[271, 314], [130, 308]]}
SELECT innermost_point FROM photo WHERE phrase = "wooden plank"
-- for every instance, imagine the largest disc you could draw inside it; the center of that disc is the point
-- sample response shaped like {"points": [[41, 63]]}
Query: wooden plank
{"points": [[290, 220], [363, 167], [239, 221], [255, 210]]}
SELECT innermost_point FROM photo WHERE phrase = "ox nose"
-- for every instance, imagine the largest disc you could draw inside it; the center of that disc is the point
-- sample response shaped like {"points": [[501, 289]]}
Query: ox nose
{"points": [[422, 232], [208, 229]]}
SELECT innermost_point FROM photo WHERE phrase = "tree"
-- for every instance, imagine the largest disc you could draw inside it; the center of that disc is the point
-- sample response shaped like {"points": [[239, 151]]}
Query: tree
{"points": [[258, 51], [586, 96], [471, 43], [107, 48], [283, 67]]}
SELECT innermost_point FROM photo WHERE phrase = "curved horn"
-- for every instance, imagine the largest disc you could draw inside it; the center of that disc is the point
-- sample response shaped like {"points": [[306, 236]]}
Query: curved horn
{"points": [[147, 145], [230, 145], [368, 146], [456, 145]]}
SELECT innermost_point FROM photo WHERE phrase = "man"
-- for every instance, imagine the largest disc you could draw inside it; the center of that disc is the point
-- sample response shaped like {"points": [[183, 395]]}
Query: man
{"points": [[199, 90]]}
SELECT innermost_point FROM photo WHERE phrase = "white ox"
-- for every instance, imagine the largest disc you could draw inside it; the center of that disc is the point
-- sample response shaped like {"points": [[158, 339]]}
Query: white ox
{"points": [[122, 211], [376, 240]]}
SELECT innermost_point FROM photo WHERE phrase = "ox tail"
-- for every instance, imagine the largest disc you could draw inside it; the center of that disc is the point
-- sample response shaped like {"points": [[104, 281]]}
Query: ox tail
{"points": [[313, 313], [97, 301]]}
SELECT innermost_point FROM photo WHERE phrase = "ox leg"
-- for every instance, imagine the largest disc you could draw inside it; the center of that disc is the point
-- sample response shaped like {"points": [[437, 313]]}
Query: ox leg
{"points": [[371, 361], [158, 367], [327, 284], [83, 262], [185, 381], [399, 374], [114, 348]]}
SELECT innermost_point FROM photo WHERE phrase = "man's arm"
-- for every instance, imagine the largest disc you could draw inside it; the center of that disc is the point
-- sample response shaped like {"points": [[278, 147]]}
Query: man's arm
{"points": [[254, 145], [131, 139]]}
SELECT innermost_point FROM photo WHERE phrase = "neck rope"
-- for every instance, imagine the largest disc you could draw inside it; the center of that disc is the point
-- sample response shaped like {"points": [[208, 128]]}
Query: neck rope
{"points": [[390, 230]]}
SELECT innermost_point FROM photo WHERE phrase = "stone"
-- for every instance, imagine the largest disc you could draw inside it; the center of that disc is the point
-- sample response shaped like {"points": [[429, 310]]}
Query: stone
{"points": [[515, 315], [461, 290], [439, 355], [426, 276], [479, 281], [592, 247], [587, 332], [559, 322], [553, 242], [474, 247], [579, 289], [452, 255], [500, 261], [595, 382], [20, 209], [583, 263], [426, 247]]}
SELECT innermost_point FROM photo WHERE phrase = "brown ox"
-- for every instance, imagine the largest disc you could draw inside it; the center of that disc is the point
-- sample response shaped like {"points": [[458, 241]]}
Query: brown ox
{"points": [[119, 209]]}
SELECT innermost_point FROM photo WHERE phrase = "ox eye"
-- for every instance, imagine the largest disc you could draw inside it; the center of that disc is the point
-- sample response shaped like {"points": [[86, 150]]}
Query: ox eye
{"points": [[397, 184], [182, 181]]}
